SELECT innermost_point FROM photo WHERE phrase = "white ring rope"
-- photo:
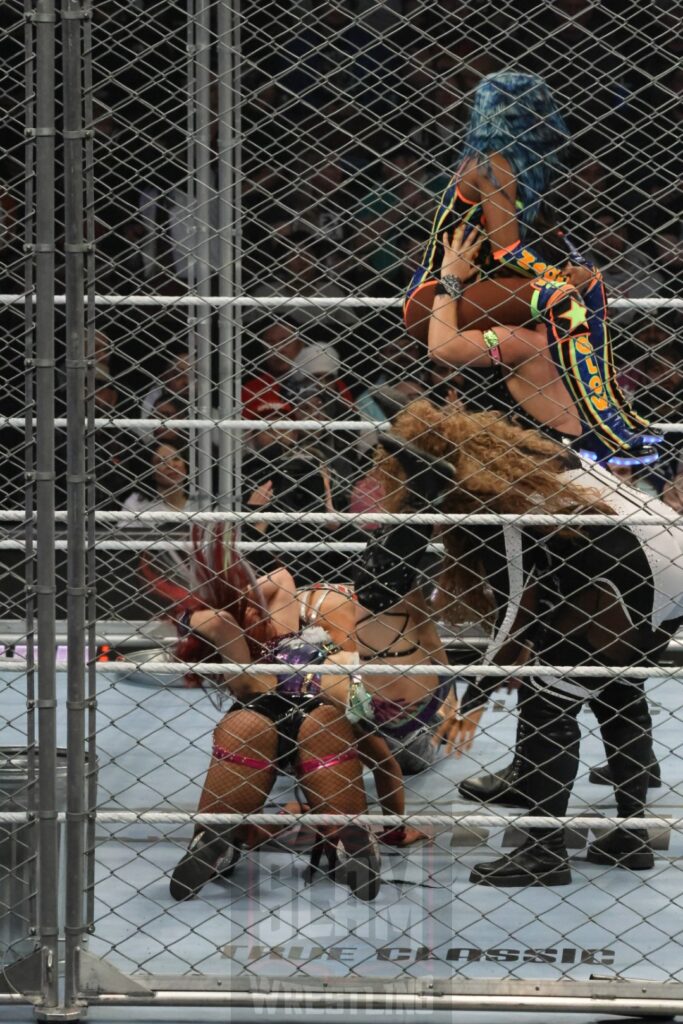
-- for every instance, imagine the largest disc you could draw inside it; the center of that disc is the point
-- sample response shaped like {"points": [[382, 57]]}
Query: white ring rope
{"points": [[465, 819], [130, 423], [384, 518], [350, 547], [288, 301], [176, 668]]}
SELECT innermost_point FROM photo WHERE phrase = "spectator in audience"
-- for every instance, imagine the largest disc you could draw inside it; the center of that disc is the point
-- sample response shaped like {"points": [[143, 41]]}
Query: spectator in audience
{"points": [[174, 381], [386, 221], [401, 369], [588, 191], [322, 201], [265, 448], [324, 395], [577, 51], [165, 486], [654, 381], [319, 366], [169, 407], [274, 374], [115, 465], [295, 265], [303, 480], [654, 369], [334, 54]]}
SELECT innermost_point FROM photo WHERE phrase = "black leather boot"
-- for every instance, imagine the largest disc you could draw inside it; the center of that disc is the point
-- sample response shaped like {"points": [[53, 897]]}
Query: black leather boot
{"points": [[506, 786], [602, 776], [359, 862], [209, 854], [353, 858], [501, 787], [626, 727], [623, 848], [540, 860]]}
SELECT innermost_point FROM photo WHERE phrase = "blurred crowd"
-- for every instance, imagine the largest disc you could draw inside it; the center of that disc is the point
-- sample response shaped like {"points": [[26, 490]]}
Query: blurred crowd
{"points": [[350, 123]]}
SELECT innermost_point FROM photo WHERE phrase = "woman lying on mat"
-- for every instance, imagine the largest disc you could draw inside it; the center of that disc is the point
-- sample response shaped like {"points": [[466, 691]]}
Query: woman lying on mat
{"points": [[594, 595], [528, 271], [276, 722]]}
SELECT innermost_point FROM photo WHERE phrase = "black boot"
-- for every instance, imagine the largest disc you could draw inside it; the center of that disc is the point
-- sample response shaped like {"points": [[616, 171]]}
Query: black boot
{"points": [[623, 848], [501, 787], [540, 860], [505, 786], [359, 862], [207, 856], [353, 859], [626, 727], [602, 776]]}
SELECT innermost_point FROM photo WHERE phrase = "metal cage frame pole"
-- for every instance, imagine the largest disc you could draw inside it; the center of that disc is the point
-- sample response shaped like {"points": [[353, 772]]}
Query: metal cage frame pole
{"points": [[229, 234], [29, 432], [91, 495], [190, 335], [202, 241], [72, 16], [44, 21]]}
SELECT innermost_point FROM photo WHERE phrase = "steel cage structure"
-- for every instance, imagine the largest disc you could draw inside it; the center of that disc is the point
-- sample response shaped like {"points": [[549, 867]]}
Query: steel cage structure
{"points": [[174, 198]]}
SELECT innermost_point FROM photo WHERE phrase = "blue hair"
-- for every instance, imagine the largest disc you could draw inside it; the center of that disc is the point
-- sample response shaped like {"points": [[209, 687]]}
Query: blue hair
{"points": [[515, 115]]}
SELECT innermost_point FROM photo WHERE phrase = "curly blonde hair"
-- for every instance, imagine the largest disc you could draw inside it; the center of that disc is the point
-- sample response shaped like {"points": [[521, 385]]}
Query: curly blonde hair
{"points": [[497, 467]]}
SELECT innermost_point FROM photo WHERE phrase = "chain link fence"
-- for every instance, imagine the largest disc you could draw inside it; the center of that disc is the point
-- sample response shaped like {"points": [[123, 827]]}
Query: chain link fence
{"points": [[211, 214]]}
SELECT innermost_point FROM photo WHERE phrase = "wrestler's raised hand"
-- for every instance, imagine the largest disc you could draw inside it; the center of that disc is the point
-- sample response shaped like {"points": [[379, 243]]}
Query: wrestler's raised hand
{"points": [[578, 276], [460, 253]]}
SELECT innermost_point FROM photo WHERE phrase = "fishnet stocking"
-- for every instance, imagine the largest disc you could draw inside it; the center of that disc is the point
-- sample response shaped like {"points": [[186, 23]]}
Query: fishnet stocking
{"points": [[233, 787], [338, 789]]}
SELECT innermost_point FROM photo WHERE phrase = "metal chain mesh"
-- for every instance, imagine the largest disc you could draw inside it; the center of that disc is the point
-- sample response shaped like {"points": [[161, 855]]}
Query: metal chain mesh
{"points": [[260, 183]]}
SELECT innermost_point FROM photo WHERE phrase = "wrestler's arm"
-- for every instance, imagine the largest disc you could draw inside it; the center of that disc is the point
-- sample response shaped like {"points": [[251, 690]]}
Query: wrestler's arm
{"points": [[375, 754], [497, 186], [386, 771], [511, 649], [453, 347]]}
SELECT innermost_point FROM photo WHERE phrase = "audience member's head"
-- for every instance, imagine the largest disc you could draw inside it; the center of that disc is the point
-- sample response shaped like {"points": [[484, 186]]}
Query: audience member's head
{"points": [[169, 468], [281, 346], [268, 405], [318, 364], [610, 239]]}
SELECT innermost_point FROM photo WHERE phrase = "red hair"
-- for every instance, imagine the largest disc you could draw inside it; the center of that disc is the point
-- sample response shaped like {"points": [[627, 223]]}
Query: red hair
{"points": [[222, 580]]}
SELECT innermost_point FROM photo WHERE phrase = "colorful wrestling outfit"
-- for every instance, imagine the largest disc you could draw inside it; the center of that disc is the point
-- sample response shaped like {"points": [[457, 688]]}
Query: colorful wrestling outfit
{"points": [[576, 328]]}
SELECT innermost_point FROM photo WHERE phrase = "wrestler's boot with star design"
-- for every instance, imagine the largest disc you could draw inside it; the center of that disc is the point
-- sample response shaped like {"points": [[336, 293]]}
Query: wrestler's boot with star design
{"points": [[578, 341]]}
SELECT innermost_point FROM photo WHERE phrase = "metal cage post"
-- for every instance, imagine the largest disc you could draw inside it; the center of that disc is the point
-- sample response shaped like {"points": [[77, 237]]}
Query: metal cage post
{"points": [[44, 20], [73, 14]]}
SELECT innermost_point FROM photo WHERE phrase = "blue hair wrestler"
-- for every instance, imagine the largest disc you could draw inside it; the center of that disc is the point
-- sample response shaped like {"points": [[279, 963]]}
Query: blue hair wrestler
{"points": [[530, 272]]}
